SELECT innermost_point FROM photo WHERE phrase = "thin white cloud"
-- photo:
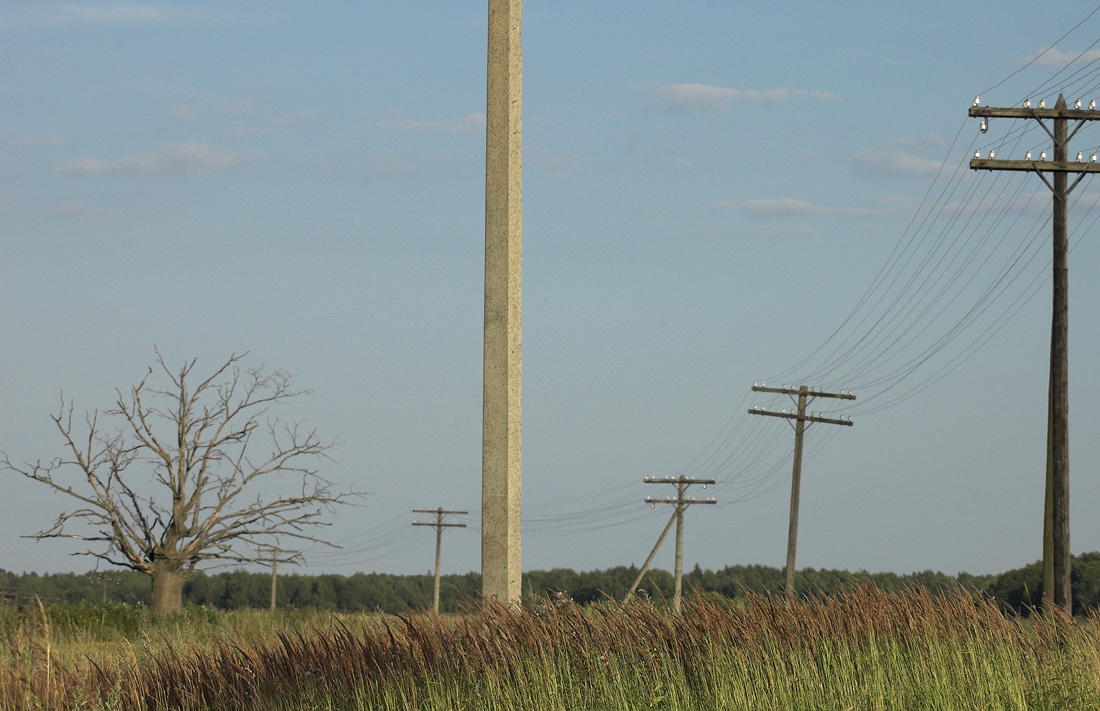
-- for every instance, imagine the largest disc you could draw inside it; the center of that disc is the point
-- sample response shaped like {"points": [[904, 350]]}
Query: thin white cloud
{"points": [[46, 140], [88, 211], [244, 119], [638, 207], [754, 231], [765, 208], [877, 161], [692, 98], [1053, 57], [385, 162], [212, 104], [567, 167], [102, 15], [469, 124], [178, 159], [902, 158]]}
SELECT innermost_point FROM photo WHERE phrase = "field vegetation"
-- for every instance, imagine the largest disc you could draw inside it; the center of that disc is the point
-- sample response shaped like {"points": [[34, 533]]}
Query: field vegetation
{"points": [[861, 648]]}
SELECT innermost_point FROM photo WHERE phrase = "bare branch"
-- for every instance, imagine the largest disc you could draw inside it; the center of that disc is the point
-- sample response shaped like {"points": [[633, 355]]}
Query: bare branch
{"points": [[204, 446]]}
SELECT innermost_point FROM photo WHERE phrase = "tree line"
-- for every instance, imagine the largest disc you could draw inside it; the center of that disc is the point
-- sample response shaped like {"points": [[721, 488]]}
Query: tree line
{"points": [[1019, 588]]}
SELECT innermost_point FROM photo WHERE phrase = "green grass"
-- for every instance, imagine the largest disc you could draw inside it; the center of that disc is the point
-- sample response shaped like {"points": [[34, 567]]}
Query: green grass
{"points": [[864, 649]]}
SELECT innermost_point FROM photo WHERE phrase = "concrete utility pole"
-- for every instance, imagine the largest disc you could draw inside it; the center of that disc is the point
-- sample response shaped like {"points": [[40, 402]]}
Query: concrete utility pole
{"points": [[1056, 550], [439, 526], [682, 502], [801, 418], [500, 450]]}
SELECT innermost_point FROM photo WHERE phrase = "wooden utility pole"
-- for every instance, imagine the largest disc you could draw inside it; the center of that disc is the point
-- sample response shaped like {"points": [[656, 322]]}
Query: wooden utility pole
{"points": [[500, 450], [294, 558], [274, 576], [681, 502], [439, 526], [800, 417], [1056, 550]]}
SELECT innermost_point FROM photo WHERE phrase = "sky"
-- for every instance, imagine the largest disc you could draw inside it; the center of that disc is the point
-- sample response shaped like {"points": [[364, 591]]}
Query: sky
{"points": [[714, 194]]}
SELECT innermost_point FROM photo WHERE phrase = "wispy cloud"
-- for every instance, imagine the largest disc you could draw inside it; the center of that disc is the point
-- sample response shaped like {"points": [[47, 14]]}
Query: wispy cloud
{"points": [[693, 98], [88, 211], [388, 161], [643, 208], [773, 208], [896, 163], [754, 231], [242, 117], [211, 104], [178, 159], [469, 124], [103, 15], [901, 158], [567, 167], [1053, 57], [46, 140]]}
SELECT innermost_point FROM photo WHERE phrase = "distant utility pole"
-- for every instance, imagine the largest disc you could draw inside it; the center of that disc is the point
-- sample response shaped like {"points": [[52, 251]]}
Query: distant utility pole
{"points": [[1056, 551], [439, 526], [682, 502], [294, 558], [801, 418]]}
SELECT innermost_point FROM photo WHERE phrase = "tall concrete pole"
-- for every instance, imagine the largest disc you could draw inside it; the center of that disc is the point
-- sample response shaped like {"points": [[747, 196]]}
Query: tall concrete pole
{"points": [[500, 453]]}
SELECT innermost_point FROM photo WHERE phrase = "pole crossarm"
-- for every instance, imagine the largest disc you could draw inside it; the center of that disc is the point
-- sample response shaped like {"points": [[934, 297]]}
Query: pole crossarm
{"points": [[276, 555], [683, 502], [1037, 166], [440, 513], [810, 392], [677, 480], [812, 417], [1055, 113]]}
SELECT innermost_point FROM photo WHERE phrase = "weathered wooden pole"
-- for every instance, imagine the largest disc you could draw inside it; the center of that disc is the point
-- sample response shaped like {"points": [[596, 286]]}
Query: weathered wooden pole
{"points": [[501, 430], [274, 576], [678, 565], [1059, 371], [1057, 591], [801, 418], [796, 487], [439, 526]]}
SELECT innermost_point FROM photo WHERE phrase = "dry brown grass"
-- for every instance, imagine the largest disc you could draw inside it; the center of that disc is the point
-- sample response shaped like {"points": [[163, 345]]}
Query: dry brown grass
{"points": [[564, 652]]}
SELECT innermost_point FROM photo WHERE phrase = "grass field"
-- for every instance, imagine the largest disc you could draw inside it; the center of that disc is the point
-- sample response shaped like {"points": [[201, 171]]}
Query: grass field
{"points": [[864, 649]]}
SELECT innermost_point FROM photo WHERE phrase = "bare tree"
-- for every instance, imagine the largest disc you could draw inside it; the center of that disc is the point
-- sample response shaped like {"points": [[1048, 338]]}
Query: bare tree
{"points": [[176, 486]]}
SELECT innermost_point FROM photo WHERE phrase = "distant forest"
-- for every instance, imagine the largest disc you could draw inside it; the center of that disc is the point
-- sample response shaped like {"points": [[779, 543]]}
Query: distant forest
{"points": [[379, 592]]}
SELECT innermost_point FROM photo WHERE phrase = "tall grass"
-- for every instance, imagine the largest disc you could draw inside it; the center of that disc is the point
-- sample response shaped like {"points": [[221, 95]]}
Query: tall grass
{"points": [[863, 649]]}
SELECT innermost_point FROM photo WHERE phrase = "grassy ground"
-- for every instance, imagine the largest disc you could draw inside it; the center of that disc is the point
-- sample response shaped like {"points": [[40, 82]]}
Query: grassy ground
{"points": [[865, 649]]}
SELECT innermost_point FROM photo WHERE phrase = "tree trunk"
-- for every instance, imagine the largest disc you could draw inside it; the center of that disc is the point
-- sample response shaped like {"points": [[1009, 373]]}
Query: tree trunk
{"points": [[168, 590]]}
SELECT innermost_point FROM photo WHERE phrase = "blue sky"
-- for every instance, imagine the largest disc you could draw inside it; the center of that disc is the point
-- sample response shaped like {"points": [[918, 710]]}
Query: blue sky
{"points": [[714, 194]]}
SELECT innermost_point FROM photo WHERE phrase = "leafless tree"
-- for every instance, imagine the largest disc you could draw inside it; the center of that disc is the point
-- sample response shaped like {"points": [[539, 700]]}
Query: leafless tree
{"points": [[177, 485]]}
